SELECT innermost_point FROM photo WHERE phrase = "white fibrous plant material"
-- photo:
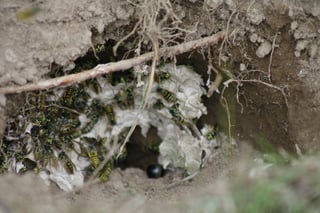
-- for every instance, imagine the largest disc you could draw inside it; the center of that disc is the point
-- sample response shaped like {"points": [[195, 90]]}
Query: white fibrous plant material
{"points": [[182, 144]]}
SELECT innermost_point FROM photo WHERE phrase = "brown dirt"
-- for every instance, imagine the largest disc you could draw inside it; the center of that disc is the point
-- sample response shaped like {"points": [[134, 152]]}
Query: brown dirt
{"points": [[65, 30]]}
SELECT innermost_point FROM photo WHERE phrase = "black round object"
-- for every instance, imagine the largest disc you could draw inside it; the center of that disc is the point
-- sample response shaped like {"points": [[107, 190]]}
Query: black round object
{"points": [[155, 171]]}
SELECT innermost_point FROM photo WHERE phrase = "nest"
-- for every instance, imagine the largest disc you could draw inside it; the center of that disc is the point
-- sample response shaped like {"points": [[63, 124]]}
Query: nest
{"points": [[64, 134]]}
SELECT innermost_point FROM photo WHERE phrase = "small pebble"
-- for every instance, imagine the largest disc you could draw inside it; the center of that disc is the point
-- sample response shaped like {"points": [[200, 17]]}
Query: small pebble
{"points": [[264, 49], [253, 38]]}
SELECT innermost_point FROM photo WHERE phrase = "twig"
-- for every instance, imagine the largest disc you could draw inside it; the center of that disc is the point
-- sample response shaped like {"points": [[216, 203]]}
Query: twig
{"points": [[225, 104], [171, 185], [226, 83], [271, 56], [268, 85], [114, 66], [145, 96], [155, 45], [298, 150], [115, 47], [213, 86]]}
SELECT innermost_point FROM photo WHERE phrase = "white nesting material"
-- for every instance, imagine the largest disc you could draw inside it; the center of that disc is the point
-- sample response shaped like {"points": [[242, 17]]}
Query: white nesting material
{"points": [[189, 97], [65, 181], [127, 118], [188, 87], [180, 150]]}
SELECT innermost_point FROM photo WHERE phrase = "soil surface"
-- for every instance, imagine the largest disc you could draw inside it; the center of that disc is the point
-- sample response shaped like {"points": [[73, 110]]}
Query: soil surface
{"points": [[274, 53]]}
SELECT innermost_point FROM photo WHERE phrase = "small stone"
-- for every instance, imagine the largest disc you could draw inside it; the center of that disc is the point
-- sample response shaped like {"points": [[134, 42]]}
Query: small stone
{"points": [[264, 49], [313, 50], [10, 56], [214, 4], [260, 40], [2, 100], [294, 25], [302, 45], [255, 16], [243, 67], [253, 38]]}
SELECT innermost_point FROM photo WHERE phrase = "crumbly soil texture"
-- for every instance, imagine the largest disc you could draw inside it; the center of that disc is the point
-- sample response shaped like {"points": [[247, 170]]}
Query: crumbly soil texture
{"points": [[272, 54]]}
